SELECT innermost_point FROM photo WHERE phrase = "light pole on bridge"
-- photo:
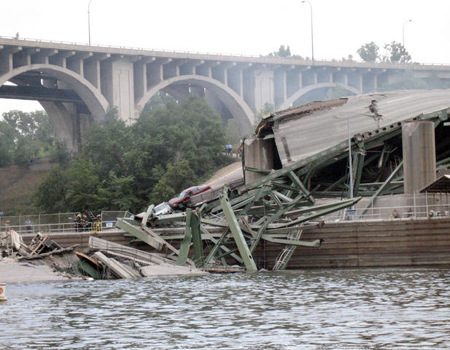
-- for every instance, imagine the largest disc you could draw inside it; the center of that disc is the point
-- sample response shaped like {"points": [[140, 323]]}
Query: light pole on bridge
{"points": [[312, 29], [89, 21], [404, 24], [350, 162]]}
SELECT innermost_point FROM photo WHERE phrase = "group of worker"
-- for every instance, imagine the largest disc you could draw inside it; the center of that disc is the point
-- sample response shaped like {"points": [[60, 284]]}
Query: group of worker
{"points": [[85, 223]]}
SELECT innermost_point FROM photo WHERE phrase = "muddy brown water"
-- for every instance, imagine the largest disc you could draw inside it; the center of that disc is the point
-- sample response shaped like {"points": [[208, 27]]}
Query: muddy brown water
{"points": [[395, 308]]}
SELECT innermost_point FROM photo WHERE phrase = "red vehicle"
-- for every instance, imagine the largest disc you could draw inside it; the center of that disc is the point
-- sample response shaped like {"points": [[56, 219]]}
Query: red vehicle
{"points": [[184, 198]]}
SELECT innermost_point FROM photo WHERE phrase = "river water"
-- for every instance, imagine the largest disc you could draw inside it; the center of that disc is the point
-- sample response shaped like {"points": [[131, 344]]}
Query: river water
{"points": [[312, 309]]}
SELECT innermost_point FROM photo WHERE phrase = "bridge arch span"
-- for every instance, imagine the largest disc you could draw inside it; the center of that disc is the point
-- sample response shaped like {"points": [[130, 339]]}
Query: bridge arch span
{"points": [[60, 116], [91, 96], [238, 108], [290, 101]]}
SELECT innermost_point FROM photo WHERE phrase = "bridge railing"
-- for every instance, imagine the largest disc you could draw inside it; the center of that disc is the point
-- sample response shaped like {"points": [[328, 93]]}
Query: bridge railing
{"points": [[340, 62], [419, 206], [60, 222]]}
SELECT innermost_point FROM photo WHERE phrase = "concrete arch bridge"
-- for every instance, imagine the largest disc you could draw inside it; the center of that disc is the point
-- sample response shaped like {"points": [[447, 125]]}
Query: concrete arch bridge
{"points": [[77, 84]]}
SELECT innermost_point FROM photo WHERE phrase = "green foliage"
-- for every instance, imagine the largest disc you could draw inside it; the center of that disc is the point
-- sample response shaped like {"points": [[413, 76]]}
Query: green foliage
{"points": [[369, 52], [51, 195], [159, 100], [397, 53], [282, 52], [83, 187], [169, 148], [178, 176], [233, 134], [105, 145], [60, 154], [120, 193], [25, 137], [7, 146]]}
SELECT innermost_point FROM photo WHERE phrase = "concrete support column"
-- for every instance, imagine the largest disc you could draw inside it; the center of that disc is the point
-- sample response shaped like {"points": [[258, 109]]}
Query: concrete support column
{"points": [[259, 154], [76, 63], [42, 56], [300, 80], [21, 58], [171, 70], [204, 70], [280, 86], [292, 81], [6, 62], [91, 69], [419, 155], [65, 124], [315, 77], [188, 67], [140, 79], [249, 88], [369, 79], [60, 59], [355, 79], [117, 87], [7, 58], [154, 74], [264, 87], [325, 75], [219, 72], [155, 71], [339, 77], [234, 79]]}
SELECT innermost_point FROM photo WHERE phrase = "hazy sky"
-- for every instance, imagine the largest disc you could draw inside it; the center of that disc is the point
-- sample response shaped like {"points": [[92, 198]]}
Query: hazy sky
{"points": [[242, 27]]}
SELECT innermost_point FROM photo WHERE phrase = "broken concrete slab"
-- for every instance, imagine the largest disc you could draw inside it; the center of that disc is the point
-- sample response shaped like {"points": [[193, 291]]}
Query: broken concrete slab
{"points": [[170, 270]]}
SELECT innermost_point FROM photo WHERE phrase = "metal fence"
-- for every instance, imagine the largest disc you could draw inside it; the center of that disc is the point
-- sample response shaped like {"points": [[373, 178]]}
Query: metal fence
{"points": [[417, 206], [399, 207], [60, 222]]}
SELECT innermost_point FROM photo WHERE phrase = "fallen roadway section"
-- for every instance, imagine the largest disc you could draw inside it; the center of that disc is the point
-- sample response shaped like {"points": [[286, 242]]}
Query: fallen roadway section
{"points": [[222, 233]]}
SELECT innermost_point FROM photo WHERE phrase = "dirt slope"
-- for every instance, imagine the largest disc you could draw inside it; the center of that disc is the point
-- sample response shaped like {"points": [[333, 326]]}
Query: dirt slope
{"points": [[17, 185]]}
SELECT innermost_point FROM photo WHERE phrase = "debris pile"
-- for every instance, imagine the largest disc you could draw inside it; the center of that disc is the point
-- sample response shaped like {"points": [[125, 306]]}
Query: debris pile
{"points": [[42, 251], [109, 260], [224, 230]]}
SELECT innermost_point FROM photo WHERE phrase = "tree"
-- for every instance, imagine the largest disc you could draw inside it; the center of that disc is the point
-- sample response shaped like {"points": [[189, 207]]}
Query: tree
{"points": [[7, 145], [177, 177], [369, 52], [51, 195], [282, 52], [106, 145], [397, 53], [173, 146], [159, 100], [30, 135], [83, 187]]}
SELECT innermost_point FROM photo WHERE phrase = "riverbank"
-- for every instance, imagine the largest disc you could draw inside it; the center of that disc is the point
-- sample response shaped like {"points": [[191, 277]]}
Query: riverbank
{"points": [[12, 271]]}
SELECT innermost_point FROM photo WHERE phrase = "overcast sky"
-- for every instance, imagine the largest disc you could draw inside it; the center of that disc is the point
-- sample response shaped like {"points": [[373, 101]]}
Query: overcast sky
{"points": [[241, 27]]}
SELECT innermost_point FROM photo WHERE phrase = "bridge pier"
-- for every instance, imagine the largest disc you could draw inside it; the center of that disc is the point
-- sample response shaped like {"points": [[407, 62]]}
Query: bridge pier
{"points": [[77, 84]]}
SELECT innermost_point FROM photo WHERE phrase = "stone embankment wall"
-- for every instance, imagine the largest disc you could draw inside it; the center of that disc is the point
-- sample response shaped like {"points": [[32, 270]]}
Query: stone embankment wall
{"points": [[400, 242]]}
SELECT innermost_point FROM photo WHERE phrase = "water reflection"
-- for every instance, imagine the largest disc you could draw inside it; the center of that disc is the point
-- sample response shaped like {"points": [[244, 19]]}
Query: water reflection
{"points": [[313, 309]]}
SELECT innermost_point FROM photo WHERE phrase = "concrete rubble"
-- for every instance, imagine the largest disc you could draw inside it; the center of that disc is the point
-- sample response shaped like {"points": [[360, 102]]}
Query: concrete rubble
{"points": [[41, 260], [294, 173]]}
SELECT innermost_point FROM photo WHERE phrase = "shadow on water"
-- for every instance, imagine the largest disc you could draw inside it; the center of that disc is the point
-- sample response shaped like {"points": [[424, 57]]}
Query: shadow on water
{"points": [[309, 309]]}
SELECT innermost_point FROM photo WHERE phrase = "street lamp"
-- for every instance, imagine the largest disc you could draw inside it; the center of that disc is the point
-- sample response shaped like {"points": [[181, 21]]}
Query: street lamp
{"points": [[89, 21], [312, 29], [404, 24], [350, 165]]}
